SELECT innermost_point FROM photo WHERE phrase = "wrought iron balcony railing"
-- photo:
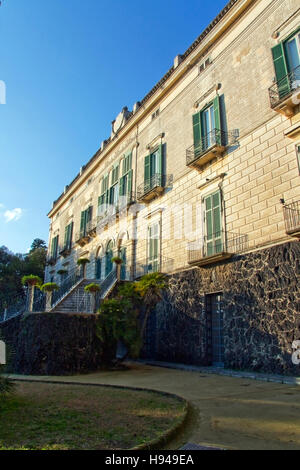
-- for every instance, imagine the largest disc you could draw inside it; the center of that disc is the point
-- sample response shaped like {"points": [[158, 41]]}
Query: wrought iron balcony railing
{"points": [[82, 237], [51, 260], [91, 227], [291, 214], [66, 249], [285, 88], [110, 212], [153, 186], [221, 245], [162, 265], [209, 146]]}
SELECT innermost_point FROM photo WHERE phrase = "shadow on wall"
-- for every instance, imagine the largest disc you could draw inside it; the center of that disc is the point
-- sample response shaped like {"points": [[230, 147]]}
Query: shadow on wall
{"points": [[261, 313]]}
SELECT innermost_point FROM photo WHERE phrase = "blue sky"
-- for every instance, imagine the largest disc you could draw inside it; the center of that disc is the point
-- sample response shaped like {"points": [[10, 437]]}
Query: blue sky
{"points": [[69, 67]]}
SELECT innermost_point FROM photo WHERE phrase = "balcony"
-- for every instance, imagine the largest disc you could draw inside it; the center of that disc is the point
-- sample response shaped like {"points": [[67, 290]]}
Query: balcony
{"points": [[91, 228], [82, 237], [285, 94], [113, 212], [162, 265], [223, 245], [291, 214], [210, 146], [51, 261], [66, 250], [153, 187]]}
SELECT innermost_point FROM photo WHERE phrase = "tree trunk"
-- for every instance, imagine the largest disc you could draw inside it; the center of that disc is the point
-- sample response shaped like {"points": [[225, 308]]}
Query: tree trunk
{"points": [[145, 321]]}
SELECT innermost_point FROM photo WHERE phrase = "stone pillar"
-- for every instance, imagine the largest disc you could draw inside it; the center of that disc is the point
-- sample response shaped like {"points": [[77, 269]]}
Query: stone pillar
{"points": [[31, 298], [48, 301]]}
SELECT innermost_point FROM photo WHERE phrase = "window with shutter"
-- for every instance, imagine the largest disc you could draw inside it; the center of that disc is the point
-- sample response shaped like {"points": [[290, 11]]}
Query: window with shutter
{"points": [[207, 129], [54, 247], [153, 261], [281, 70], [153, 169], [213, 224]]}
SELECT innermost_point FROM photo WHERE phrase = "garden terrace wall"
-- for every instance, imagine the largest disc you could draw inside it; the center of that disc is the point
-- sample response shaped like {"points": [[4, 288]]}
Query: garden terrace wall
{"points": [[261, 312], [54, 344]]}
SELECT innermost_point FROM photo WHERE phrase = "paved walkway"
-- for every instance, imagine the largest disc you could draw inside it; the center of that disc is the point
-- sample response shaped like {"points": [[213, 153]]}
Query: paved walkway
{"points": [[230, 412]]}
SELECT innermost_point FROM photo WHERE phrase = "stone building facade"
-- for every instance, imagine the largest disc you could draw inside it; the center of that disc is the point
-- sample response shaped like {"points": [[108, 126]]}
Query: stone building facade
{"points": [[200, 180]]}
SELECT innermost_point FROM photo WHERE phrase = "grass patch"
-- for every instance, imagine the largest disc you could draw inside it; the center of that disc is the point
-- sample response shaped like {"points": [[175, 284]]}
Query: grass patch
{"points": [[67, 417]]}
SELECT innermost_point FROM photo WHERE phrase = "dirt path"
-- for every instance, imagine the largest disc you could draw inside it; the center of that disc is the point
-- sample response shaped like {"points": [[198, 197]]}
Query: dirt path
{"points": [[227, 412]]}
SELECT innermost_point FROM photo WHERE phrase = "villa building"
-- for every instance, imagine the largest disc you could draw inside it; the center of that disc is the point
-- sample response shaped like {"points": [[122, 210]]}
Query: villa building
{"points": [[200, 181]]}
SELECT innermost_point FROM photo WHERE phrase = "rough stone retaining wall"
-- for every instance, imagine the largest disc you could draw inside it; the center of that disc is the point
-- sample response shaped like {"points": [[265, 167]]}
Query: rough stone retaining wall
{"points": [[261, 312], [52, 344]]}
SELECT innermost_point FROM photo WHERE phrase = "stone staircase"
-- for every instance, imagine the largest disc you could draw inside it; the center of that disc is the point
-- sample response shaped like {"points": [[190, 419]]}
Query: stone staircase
{"points": [[77, 300]]}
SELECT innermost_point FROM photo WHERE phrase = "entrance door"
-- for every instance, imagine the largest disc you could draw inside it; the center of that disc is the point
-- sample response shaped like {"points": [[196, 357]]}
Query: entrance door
{"points": [[123, 265], [108, 259], [215, 316], [98, 268]]}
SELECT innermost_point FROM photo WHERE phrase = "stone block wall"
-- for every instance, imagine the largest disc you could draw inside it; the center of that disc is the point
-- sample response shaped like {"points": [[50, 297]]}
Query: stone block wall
{"points": [[53, 344], [261, 312]]}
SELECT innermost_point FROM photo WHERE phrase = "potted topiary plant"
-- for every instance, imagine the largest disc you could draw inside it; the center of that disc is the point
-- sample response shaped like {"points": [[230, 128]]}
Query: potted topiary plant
{"points": [[82, 262], [118, 262], [49, 288], [31, 281], [93, 289]]}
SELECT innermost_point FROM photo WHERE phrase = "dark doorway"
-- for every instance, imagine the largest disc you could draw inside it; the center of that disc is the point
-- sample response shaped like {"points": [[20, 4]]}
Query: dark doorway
{"points": [[215, 321]]}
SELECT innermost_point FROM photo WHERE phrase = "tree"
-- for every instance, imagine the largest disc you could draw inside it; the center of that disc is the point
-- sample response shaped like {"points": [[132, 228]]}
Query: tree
{"points": [[38, 243], [31, 281], [49, 288], [118, 321], [150, 287], [14, 266]]}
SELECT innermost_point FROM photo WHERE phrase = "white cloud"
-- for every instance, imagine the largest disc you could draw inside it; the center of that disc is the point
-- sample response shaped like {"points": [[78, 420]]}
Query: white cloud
{"points": [[13, 215], [1, 205]]}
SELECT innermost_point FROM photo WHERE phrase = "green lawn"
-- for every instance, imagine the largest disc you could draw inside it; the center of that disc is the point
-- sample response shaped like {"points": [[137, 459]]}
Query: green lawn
{"points": [[65, 417]]}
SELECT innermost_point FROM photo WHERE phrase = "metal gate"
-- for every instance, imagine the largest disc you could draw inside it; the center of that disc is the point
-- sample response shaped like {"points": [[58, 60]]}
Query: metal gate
{"points": [[215, 317]]}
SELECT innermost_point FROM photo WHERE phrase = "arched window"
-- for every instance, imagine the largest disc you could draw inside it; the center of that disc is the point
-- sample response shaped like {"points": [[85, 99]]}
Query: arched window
{"points": [[108, 256]]}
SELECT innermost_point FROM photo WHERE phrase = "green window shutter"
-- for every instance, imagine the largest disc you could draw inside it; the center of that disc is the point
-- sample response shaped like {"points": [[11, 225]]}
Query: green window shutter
{"points": [[281, 70], [89, 214], [127, 162], [160, 165], [217, 115], [111, 196], [115, 175], [82, 222], [54, 246], [147, 175], [122, 189], [66, 236], [129, 183], [197, 129], [70, 236], [213, 224]]}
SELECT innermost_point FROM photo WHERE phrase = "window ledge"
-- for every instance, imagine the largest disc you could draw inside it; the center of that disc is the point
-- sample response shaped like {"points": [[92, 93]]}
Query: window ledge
{"points": [[293, 132], [211, 259]]}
